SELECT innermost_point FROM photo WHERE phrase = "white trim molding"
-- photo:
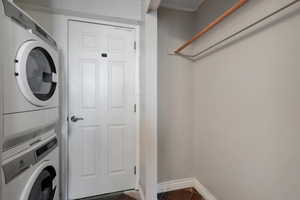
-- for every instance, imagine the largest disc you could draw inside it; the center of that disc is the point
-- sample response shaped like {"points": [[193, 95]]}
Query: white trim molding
{"points": [[175, 185], [185, 183], [152, 5], [141, 192], [188, 6], [206, 194]]}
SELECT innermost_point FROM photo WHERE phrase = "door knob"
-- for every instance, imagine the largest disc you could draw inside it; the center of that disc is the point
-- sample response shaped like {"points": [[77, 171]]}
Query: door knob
{"points": [[75, 119]]}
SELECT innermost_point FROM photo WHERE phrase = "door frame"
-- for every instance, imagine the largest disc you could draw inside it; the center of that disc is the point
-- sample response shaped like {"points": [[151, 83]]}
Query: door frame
{"points": [[65, 143]]}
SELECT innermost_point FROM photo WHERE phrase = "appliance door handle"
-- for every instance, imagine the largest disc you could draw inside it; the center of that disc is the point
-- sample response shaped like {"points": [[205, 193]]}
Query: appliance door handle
{"points": [[75, 119], [52, 193]]}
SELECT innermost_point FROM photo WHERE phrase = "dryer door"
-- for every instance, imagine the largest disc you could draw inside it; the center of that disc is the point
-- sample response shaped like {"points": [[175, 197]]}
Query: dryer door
{"points": [[36, 72], [43, 187]]}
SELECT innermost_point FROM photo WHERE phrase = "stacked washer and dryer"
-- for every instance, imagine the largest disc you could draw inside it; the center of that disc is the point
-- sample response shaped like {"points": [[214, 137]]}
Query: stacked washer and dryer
{"points": [[30, 157]]}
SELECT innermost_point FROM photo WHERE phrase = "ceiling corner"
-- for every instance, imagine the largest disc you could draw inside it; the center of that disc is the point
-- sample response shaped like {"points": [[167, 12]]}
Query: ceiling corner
{"points": [[153, 5], [186, 5]]}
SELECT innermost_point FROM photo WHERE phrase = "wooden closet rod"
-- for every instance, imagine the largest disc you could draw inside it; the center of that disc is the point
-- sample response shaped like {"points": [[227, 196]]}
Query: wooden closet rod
{"points": [[228, 12]]}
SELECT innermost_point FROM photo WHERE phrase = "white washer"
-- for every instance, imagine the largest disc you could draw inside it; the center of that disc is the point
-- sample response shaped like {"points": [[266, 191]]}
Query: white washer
{"points": [[32, 174], [31, 89]]}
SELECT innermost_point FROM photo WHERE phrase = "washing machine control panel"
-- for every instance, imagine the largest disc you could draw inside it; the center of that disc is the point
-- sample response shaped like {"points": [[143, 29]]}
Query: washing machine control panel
{"points": [[41, 152], [17, 166], [21, 163]]}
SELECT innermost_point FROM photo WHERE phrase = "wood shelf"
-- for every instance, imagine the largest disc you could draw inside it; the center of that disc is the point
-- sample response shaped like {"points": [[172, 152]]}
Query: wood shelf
{"points": [[217, 21]]}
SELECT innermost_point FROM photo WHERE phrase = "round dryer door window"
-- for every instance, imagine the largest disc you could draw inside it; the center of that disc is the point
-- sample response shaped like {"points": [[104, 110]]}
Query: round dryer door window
{"points": [[36, 72]]}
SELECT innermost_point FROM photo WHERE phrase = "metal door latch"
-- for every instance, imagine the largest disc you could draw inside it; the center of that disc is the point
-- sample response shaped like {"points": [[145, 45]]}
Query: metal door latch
{"points": [[75, 119]]}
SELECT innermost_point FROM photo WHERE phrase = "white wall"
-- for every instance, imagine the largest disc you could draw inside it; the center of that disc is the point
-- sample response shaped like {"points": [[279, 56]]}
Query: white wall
{"points": [[247, 111], [2, 40], [244, 100], [203, 16], [148, 106], [142, 138], [146, 5], [175, 97], [129, 9], [141, 108]]}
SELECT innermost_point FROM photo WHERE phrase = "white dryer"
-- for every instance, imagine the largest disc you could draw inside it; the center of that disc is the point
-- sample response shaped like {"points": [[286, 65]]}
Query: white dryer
{"points": [[32, 174], [31, 69], [31, 76]]}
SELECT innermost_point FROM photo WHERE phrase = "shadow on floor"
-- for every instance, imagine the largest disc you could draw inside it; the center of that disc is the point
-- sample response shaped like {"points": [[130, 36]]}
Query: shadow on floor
{"points": [[129, 195], [183, 194]]}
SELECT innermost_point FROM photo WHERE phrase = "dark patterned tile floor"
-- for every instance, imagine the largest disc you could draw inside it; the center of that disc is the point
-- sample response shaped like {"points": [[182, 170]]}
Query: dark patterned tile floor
{"points": [[183, 194], [113, 196]]}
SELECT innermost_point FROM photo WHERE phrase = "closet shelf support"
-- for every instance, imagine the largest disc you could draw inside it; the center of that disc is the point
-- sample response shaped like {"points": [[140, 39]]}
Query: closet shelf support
{"points": [[194, 56], [217, 21]]}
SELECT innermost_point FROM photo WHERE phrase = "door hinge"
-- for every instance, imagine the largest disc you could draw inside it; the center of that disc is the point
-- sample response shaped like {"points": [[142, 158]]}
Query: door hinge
{"points": [[134, 170], [134, 108], [134, 45]]}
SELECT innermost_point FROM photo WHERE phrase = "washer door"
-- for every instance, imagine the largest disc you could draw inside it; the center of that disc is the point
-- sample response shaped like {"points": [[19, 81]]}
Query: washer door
{"points": [[44, 187], [36, 72]]}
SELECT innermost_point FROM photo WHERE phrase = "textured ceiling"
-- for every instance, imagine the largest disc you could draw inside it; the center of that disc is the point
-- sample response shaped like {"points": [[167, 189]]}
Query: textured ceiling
{"points": [[186, 5]]}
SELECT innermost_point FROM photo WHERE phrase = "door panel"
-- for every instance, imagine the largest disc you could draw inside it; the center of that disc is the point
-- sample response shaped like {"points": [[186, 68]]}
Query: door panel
{"points": [[102, 141], [88, 84], [89, 147], [116, 86], [116, 149]]}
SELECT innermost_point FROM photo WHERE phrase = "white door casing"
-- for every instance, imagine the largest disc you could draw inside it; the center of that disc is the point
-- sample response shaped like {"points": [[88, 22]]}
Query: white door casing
{"points": [[102, 146]]}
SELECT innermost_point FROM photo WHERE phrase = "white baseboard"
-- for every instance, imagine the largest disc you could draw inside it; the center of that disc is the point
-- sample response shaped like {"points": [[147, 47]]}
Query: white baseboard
{"points": [[175, 185], [185, 183], [141, 191], [206, 194]]}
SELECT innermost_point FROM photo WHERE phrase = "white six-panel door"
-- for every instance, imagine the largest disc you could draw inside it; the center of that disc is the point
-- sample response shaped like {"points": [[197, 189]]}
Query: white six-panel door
{"points": [[102, 142]]}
